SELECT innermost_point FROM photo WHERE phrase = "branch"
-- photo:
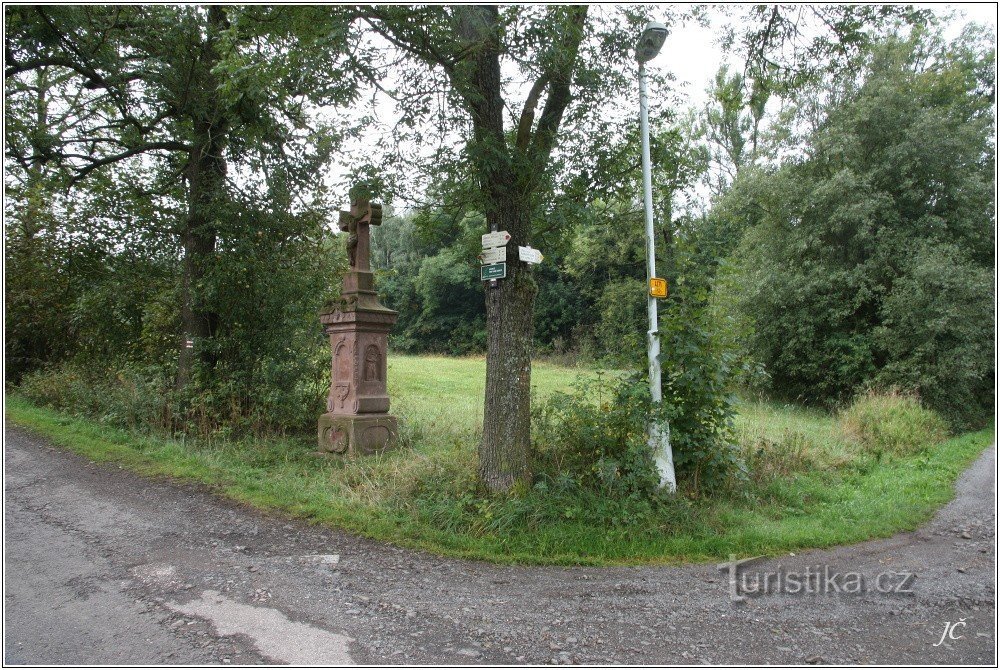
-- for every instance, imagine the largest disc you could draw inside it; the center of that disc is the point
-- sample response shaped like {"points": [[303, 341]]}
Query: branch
{"points": [[528, 113], [415, 41], [168, 145], [559, 91]]}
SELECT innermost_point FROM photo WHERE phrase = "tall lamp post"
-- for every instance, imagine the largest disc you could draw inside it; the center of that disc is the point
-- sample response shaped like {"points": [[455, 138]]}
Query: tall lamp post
{"points": [[659, 433]]}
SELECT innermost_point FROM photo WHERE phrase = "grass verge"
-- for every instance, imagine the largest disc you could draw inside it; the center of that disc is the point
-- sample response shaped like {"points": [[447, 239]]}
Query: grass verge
{"points": [[827, 495]]}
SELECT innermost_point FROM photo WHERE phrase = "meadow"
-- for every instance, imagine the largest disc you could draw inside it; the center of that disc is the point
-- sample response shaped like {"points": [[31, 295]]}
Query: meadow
{"points": [[809, 483]]}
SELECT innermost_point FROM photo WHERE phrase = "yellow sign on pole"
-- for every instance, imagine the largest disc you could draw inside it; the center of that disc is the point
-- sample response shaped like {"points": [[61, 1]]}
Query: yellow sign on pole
{"points": [[658, 287]]}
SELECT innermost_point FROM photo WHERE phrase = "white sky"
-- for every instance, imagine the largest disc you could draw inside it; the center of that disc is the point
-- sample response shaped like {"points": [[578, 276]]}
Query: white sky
{"points": [[693, 55]]}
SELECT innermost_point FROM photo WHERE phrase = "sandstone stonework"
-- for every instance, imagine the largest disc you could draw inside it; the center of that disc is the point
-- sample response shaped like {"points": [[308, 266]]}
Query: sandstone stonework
{"points": [[357, 419]]}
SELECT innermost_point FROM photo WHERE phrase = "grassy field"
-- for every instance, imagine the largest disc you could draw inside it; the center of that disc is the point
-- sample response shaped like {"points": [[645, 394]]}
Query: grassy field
{"points": [[815, 487], [445, 395]]}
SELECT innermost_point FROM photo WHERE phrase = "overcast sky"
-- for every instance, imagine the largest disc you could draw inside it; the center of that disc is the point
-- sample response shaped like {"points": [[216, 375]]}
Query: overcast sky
{"points": [[694, 56]]}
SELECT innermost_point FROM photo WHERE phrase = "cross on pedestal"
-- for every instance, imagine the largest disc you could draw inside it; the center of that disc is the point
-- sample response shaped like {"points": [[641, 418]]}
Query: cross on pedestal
{"points": [[356, 223], [357, 420]]}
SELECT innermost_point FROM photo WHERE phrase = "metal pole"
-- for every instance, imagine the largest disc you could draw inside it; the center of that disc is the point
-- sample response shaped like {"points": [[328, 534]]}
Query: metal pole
{"points": [[659, 433]]}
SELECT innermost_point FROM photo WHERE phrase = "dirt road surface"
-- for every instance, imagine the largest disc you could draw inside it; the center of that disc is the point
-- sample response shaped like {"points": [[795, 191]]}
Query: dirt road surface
{"points": [[103, 566]]}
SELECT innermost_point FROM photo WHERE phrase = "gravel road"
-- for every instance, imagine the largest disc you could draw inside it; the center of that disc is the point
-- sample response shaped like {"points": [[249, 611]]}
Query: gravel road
{"points": [[105, 567]]}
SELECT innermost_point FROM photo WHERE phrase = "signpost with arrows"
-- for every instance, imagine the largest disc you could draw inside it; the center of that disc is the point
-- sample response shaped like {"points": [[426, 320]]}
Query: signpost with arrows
{"points": [[499, 238], [494, 256], [529, 255]]}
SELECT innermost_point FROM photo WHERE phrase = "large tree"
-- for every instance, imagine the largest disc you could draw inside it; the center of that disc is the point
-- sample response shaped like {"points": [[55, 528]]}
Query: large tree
{"points": [[565, 59], [205, 108], [539, 99], [869, 260]]}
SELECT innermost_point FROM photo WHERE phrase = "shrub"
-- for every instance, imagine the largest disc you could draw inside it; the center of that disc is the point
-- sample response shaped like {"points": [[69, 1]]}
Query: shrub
{"points": [[939, 332], [279, 394], [870, 262], [63, 388], [127, 398], [621, 331], [700, 368], [768, 459], [892, 423], [595, 439]]}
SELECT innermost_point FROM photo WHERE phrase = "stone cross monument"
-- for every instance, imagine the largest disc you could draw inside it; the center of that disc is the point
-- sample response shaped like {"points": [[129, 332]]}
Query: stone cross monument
{"points": [[357, 418]]}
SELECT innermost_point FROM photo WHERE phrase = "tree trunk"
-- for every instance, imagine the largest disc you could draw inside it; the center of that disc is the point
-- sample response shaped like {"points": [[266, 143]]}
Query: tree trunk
{"points": [[504, 451], [508, 175], [206, 178], [199, 323]]}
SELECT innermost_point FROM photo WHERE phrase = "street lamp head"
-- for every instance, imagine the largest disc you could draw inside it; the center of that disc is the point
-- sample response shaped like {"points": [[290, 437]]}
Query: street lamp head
{"points": [[650, 42]]}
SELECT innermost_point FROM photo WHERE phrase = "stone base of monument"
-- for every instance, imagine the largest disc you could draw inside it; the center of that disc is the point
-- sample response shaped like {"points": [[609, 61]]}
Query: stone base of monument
{"points": [[357, 434]]}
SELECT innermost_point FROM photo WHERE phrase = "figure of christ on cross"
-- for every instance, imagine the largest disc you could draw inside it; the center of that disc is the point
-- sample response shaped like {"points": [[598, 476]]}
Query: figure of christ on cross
{"points": [[356, 224]]}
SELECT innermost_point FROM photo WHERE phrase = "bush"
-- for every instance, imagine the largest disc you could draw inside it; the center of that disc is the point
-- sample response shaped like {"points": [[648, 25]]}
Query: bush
{"points": [[595, 439], [939, 331], [621, 331], [870, 261], [127, 398], [279, 394], [768, 460], [892, 423], [63, 388], [700, 369]]}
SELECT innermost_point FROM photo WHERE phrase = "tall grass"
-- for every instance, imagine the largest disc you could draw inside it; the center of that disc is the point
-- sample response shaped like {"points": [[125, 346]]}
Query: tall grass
{"points": [[808, 483], [892, 422]]}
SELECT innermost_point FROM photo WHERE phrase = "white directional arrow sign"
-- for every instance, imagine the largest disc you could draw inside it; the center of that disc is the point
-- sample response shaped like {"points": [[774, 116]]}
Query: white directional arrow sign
{"points": [[494, 255], [497, 239], [529, 255]]}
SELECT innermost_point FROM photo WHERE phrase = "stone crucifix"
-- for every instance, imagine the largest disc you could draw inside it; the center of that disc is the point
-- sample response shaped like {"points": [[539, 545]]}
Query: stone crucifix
{"points": [[356, 223], [357, 420]]}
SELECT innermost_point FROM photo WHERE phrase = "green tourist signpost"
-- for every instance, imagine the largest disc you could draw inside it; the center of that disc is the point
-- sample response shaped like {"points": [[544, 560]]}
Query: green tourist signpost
{"points": [[494, 271]]}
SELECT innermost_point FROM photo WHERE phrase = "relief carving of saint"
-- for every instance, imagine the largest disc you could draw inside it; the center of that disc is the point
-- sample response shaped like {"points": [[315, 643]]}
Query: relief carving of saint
{"points": [[373, 363]]}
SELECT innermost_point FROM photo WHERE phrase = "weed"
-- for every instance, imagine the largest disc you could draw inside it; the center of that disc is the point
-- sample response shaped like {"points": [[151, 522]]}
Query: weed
{"points": [[892, 423]]}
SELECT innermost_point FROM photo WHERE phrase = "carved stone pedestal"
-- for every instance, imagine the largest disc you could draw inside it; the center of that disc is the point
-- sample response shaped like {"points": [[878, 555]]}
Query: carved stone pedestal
{"points": [[357, 434], [357, 419]]}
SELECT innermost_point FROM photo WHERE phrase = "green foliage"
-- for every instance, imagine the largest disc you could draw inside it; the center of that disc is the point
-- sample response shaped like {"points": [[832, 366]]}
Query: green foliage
{"points": [[143, 111], [560, 309], [38, 289], [595, 439], [700, 365], [870, 259], [768, 460], [427, 271], [269, 367], [621, 329], [733, 121], [892, 423], [268, 357], [938, 328], [129, 398], [605, 268], [452, 318]]}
